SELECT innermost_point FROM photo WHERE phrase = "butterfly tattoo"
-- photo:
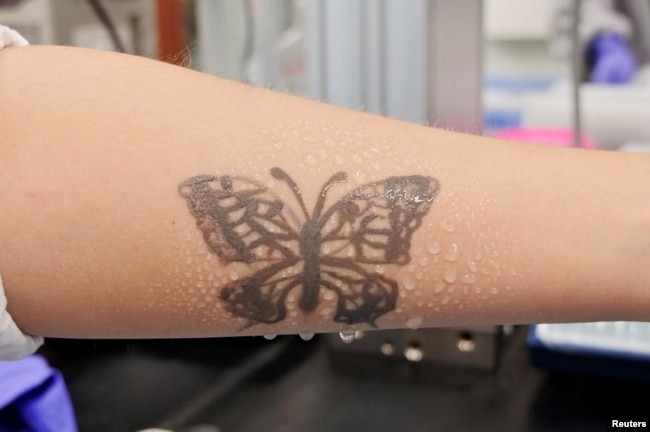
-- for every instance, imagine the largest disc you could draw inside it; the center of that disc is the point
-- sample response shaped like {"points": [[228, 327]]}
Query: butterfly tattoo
{"points": [[330, 249]]}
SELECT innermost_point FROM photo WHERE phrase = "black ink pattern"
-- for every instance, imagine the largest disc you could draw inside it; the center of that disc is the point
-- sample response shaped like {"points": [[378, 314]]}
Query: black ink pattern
{"points": [[242, 220]]}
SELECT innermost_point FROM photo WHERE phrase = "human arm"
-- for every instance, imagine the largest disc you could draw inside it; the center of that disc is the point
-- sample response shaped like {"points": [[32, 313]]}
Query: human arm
{"points": [[99, 242]]}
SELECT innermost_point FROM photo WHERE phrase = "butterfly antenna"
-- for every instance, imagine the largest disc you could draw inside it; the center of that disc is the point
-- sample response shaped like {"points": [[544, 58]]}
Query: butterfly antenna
{"points": [[283, 176], [339, 177]]}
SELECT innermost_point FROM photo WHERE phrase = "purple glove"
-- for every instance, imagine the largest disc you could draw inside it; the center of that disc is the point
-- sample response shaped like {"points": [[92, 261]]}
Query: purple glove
{"points": [[612, 59], [33, 397]]}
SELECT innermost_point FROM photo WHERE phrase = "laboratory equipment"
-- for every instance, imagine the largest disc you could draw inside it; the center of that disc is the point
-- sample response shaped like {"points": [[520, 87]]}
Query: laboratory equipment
{"points": [[73, 22], [617, 349]]}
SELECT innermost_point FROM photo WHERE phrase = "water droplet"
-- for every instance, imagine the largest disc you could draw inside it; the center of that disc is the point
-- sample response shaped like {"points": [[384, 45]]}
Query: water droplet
{"points": [[277, 145], [424, 260], [409, 284], [234, 275], [329, 295], [449, 274], [414, 323], [326, 247], [448, 225], [311, 159], [472, 265], [469, 278], [347, 336], [380, 269], [357, 159], [494, 290], [434, 247], [439, 287], [411, 268], [270, 336], [359, 176], [451, 289], [452, 253], [306, 336], [477, 290], [419, 275], [239, 229], [339, 160], [478, 255]]}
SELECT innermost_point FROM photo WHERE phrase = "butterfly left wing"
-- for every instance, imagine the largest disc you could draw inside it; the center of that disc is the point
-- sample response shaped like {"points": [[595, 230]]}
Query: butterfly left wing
{"points": [[240, 219], [261, 298]]}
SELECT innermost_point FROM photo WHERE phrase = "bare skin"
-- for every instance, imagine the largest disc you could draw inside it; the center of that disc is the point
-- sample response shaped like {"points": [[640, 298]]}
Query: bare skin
{"points": [[101, 238]]}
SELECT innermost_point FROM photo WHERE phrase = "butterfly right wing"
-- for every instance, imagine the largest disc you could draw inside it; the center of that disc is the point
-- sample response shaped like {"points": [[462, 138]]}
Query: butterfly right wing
{"points": [[374, 223], [361, 296]]}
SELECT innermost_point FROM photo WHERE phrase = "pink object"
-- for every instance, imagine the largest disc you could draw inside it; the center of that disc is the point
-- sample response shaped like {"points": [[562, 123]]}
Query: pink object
{"points": [[548, 137]]}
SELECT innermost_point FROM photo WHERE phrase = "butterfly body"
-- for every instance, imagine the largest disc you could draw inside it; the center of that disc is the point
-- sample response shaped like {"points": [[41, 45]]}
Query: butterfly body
{"points": [[328, 250], [310, 244]]}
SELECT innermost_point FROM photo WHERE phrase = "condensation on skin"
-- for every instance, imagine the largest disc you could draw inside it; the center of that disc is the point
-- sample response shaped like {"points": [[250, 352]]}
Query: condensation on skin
{"points": [[478, 264], [467, 263], [191, 296]]}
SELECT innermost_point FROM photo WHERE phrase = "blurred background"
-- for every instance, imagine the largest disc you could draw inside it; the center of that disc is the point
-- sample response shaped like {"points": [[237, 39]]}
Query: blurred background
{"points": [[558, 73]]}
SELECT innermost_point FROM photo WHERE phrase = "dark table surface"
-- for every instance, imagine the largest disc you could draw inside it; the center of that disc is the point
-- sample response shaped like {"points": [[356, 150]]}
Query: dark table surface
{"points": [[251, 384]]}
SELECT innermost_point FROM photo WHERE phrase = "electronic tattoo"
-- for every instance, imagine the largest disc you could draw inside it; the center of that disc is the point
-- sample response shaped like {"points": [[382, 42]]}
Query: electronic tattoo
{"points": [[242, 220]]}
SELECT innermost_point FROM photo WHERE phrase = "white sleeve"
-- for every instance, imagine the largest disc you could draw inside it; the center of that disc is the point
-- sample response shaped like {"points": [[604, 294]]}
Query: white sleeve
{"points": [[14, 344], [10, 37]]}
